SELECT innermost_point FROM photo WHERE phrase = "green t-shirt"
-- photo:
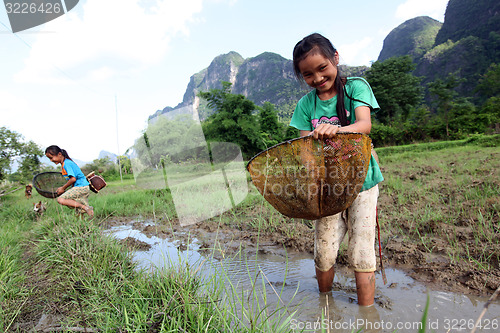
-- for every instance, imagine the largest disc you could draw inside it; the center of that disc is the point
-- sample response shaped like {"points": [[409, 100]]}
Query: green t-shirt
{"points": [[311, 111]]}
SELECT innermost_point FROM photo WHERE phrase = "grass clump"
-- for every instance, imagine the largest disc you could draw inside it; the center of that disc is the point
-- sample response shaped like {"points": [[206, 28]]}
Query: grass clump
{"points": [[14, 223]]}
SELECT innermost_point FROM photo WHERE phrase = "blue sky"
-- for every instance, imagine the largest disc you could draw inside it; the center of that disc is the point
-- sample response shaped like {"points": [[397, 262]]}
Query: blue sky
{"points": [[87, 81]]}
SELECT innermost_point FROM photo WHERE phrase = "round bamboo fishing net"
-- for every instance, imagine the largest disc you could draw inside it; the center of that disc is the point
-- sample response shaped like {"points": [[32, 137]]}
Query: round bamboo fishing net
{"points": [[308, 178], [46, 183]]}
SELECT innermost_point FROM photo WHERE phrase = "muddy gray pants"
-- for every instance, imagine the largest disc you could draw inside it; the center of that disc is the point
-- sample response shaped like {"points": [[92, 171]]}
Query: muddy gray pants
{"points": [[359, 220]]}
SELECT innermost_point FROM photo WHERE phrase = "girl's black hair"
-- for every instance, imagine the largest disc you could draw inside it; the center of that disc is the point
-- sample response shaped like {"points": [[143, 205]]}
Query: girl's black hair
{"points": [[318, 43], [55, 150]]}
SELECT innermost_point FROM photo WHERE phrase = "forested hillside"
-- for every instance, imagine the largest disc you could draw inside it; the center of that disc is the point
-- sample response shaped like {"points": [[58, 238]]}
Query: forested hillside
{"points": [[414, 37], [465, 46]]}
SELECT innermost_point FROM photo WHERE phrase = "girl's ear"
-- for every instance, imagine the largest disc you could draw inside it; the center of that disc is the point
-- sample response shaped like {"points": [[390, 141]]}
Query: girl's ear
{"points": [[336, 58]]}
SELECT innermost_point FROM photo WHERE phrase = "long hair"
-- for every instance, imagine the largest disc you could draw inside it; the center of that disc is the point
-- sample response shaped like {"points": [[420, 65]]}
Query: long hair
{"points": [[55, 150], [322, 45]]}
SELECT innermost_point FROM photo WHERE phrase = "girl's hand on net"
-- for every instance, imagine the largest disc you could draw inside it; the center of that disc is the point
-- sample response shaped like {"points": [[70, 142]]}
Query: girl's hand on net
{"points": [[59, 190], [325, 131]]}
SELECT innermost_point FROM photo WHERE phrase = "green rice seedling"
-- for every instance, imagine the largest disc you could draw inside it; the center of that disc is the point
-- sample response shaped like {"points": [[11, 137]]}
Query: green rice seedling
{"points": [[423, 322], [245, 303], [486, 258], [425, 242], [480, 263], [454, 254]]}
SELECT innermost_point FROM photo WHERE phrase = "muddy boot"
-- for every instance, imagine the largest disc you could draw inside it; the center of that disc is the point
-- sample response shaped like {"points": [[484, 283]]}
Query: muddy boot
{"points": [[365, 287], [325, 279]]}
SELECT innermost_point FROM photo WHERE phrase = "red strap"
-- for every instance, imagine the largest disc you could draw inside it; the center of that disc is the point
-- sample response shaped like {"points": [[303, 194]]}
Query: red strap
{"points": [[64, 173], [380, 248]]}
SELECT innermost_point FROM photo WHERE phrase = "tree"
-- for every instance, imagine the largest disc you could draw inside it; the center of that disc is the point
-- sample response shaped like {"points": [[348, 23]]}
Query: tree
{"points": [[491, 110], [489, 87], [11, 147], [125, 163], [464, 117], [271, 129], [233, 120], [30, 163], [103, 166], [489, 84], [444, 93], [177, 140], [291, 133], [396, 89]]}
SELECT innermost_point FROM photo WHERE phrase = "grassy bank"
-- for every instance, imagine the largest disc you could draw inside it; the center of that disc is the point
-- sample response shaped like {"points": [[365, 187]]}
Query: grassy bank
{"points": [[64, 268]]}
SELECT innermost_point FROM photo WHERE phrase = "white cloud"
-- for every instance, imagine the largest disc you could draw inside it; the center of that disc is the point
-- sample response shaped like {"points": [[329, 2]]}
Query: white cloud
{"points": [[126, 34], [11, 105], [414, 8], [14, 110], [55, 121], [101, 73], [355, 53]]}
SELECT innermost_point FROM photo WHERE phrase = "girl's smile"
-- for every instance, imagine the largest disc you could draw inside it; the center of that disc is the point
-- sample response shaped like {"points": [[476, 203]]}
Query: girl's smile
{"points": [[319, 72], [57, 159]]}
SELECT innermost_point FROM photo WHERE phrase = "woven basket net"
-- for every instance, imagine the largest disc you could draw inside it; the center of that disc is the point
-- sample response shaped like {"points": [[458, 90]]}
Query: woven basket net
{"points": [[46, 183], [308, 178]]}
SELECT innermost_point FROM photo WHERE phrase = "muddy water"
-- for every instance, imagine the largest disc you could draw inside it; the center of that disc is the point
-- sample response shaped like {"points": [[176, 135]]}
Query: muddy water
{"points": [[399, 304]]}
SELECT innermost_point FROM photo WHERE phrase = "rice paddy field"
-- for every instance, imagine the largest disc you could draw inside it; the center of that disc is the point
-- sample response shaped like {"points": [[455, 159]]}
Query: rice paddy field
{"points": [[438, 212]]}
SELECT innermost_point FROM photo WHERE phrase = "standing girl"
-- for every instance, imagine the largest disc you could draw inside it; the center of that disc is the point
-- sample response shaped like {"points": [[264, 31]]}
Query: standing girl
{"points": [[338, 104], [77, 196]]}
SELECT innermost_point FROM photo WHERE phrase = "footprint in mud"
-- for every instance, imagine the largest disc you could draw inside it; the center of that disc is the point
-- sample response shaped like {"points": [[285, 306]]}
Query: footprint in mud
{"points": [[279, 284], [383, 302], [348, 289]]}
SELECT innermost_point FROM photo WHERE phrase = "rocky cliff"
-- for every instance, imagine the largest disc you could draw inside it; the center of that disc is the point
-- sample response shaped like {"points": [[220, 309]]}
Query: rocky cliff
{"points": [[414, 37], [464, 18], [466, 44], [267, 77]]}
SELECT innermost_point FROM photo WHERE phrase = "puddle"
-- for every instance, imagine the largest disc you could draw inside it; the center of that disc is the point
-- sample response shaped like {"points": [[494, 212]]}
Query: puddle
{"points": [[399, 304]]}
